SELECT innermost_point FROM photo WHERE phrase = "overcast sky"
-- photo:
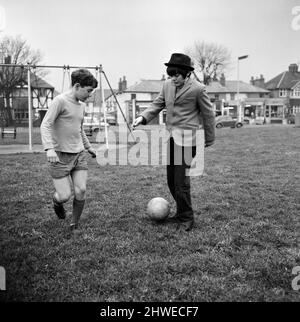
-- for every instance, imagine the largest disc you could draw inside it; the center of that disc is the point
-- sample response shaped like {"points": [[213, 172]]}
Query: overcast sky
{"points": [[136, 37]]}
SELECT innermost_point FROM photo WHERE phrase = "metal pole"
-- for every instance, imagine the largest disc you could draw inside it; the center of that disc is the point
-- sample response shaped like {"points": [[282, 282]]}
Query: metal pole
{"points": [[133, 109], [238, 88], [103, 107], [238, 92], [114, 95], [51, 66], [29, 109]]}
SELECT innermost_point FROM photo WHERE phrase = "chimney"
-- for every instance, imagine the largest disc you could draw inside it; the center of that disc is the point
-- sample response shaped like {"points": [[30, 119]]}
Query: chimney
{"points": [[293, 68], [120, 85], [261, 82], [124, 84], [223, 80], [7, 59], [258, 82]]}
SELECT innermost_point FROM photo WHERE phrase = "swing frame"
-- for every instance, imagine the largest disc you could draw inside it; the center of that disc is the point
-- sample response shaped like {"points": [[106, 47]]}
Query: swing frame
{"points": [[30, 66]]}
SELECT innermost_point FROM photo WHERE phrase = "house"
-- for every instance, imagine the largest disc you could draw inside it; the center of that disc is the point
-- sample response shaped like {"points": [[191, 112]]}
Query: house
{"points": [[223, 95], [284, 95], [225, 99], [286, 86], [94, 105], [42, 94], [138, 97]]}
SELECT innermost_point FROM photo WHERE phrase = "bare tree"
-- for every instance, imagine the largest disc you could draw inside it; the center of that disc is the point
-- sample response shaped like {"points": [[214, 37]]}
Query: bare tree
{"points": [[210, 59], [14, 50]]}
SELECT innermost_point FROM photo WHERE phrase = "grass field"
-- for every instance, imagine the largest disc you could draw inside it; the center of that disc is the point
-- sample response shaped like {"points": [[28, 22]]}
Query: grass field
{"points": [[244, 246]]}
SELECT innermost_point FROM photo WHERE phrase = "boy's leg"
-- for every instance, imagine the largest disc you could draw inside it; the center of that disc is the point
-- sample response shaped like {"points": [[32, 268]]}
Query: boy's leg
{"points": [[170, 167], [182, 185], [62, 194], [79, 178]]}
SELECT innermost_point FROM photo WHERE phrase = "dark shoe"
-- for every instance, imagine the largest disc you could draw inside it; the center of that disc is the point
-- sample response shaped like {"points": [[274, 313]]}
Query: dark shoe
{"points": [[75, 231], [187, 225], [174, 219], [59, 209]]}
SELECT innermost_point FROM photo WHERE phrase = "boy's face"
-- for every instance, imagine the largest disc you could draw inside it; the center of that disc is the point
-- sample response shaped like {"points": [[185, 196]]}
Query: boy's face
{"points": [[178, 80], [83, 93]]}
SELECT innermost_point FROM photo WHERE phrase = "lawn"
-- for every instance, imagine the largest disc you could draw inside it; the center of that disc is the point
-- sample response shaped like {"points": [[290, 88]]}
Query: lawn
{"points": [[244, 247]]}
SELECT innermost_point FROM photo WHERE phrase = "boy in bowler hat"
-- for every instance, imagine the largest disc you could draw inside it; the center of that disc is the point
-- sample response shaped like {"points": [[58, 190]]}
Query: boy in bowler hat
{"points": [[188, 107]]}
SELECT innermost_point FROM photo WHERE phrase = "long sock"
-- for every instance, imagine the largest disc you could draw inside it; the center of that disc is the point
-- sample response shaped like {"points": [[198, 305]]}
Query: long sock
{"points": [[78, 206], [56, 201], [59, 208]]}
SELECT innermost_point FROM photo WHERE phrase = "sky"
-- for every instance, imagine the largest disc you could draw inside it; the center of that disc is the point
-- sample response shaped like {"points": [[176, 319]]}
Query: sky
{"points": [[134, 38]]}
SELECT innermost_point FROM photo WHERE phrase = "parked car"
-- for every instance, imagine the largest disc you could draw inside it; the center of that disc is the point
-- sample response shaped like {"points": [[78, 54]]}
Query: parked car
{"points": [[92, 125], [111, 120], [227, 121], [291, 119]]}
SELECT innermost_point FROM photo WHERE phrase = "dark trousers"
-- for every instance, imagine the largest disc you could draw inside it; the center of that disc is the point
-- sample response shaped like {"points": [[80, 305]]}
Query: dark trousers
{"points": [[179, 161]]}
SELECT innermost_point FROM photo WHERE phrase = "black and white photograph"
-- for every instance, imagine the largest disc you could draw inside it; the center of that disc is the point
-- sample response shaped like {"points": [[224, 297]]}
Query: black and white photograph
{"points": [[149, 154]]}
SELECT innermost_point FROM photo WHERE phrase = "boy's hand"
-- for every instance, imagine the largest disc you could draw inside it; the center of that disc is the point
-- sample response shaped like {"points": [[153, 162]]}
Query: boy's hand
{"points": [[92, 152], [52, 156], [137, 122]]}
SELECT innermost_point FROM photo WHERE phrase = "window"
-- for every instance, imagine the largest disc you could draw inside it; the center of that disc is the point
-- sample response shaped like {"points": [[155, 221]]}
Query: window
{"points": [[260, 111], [296, 92], [283, 93], [164, 116], [276, 111], [296, 109]]}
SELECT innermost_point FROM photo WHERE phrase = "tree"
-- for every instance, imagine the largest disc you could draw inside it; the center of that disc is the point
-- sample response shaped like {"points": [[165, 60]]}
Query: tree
{"points": [[210, 59], [14, 50]]}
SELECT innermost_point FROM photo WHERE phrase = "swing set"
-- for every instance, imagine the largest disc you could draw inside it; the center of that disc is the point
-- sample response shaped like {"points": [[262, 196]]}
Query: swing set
{"points": [[66, 72], [9, 122]]}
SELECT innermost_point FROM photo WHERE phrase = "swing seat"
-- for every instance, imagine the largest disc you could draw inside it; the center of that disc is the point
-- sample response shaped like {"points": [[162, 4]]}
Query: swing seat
{"points": [[9, 132]]}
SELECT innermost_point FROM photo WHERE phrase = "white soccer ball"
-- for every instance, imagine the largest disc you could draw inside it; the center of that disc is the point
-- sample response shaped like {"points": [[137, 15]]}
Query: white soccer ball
{"points": [[158, 209]]}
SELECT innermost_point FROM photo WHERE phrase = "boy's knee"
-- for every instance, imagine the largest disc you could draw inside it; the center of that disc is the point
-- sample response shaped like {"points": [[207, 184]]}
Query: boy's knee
{"points": [[63, 196], [80, 191]]}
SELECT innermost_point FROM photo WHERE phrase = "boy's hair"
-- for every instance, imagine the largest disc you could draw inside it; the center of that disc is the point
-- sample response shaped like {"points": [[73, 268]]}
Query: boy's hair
{"points": [[84, 78], [173, 70]]}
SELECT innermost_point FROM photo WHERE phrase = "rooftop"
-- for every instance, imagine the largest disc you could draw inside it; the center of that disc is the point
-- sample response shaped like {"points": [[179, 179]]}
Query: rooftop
{"points": [[285, 80], [154, 86]]}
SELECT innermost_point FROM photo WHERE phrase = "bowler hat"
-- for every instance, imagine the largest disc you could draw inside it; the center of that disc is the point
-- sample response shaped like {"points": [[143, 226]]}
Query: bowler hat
{"points": [[181, 61]]}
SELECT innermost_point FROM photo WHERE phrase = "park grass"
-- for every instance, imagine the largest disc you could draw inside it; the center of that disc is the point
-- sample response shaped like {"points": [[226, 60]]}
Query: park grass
{"points": [[244, 246]]}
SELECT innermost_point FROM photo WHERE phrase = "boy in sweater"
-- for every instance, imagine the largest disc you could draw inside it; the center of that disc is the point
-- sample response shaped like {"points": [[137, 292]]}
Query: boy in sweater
{"points": [[65, 142]]}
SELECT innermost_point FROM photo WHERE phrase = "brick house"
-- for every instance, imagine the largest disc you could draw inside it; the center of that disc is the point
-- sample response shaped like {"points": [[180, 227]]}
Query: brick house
{"points": [[286, 86], [284, 95]]}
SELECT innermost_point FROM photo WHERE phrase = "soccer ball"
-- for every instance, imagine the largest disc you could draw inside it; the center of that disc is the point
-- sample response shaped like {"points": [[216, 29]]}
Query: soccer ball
{"points": [[158, 209]]}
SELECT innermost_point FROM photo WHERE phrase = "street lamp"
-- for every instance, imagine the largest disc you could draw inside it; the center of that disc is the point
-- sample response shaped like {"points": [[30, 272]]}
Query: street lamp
{"points": [[238, 87]]}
